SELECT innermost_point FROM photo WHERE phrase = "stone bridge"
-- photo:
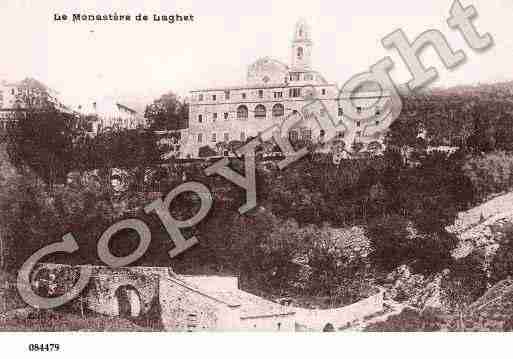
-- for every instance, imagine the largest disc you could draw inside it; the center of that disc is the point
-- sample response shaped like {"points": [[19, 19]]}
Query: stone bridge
{"points": [[187, 303]]}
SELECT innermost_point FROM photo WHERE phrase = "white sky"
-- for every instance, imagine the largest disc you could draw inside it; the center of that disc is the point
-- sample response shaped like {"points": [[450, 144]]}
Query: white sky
{"points": [[147, 59]]}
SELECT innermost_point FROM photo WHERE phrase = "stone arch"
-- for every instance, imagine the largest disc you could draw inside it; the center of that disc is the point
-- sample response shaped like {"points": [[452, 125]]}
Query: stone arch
{"points": [[242, 112], [129, 301]]}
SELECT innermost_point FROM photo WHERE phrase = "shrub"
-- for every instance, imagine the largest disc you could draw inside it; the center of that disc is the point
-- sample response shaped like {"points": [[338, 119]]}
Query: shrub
{"points": [[409, 320]]}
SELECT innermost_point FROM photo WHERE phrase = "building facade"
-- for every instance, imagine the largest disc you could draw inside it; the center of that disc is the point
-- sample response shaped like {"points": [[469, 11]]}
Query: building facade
{"points": [[18, 97], [110, 115], [273, 92]]}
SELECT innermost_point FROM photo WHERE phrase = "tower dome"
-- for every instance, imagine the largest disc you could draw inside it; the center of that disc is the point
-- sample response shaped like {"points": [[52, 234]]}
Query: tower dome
{"points": [[266, 71]]}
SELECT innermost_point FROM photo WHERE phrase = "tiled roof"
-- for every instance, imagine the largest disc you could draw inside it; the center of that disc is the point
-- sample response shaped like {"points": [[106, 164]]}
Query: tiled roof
{"points": [[251, 306]]}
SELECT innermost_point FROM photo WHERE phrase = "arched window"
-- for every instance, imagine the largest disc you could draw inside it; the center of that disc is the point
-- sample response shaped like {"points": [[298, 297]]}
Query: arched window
{"points": [[278, 110], [242, 112], [260, 111], [293, 136], [299, 52]]}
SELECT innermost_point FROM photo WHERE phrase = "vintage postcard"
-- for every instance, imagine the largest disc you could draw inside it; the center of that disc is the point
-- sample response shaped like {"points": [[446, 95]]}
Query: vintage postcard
{"points": [[255, 166]]}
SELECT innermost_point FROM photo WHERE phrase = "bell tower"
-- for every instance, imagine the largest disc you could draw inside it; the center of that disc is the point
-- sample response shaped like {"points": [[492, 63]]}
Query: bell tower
{"points": [[301, 47]]}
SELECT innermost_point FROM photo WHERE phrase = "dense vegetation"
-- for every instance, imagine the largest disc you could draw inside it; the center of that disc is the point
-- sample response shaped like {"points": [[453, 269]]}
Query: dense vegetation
{"points": [[294, 242]]}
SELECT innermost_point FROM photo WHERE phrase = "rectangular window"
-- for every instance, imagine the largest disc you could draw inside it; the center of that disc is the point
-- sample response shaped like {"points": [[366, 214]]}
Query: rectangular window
{"points": [[227, 95], [200, 137], [226, 137], [295, 92], [323, 91], [214, 97], [260, 93], [293, 136], [359, 109], [226, 115], [294, 76], [357, 123], [340, 111], [278, 94], [242, 136], [215, 116], [214, 137], [200, 118], [200, 97], [306, 134], [243, 95]]}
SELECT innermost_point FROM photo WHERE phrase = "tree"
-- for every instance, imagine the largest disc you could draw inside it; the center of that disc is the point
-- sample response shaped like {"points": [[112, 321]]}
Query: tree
{"points": [[502, 264], [207, 151], [33, 94], [43, 141], [168, 112], [409, 320], [465, 282], [31, 217], [391, 241]]}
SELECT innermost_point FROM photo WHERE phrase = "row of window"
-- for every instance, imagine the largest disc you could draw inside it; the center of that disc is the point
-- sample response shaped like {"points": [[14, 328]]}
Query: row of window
{"points": [[242, 112], [277, 111], [226, 137], [298, 76], [293, 92], [303, 133], [260, 112]]}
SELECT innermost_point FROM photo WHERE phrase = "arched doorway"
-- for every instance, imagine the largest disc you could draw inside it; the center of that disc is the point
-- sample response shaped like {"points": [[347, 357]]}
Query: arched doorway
{"points": [[129, 302]]}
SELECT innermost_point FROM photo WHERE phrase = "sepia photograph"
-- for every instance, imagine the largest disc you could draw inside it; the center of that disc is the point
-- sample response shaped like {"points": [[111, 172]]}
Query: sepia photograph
{"points": [[255, 167]]}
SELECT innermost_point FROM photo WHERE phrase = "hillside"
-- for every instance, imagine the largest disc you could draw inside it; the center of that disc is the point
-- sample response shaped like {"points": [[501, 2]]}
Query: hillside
{"points": [[476, 227]]}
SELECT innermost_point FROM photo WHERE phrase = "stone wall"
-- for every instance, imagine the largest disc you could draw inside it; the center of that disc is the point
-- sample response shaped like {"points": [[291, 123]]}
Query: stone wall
{"points": [[271, 323]]}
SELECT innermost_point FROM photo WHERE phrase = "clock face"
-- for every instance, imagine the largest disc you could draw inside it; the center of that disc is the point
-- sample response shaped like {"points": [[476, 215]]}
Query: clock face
{"points": [[265, 79]]}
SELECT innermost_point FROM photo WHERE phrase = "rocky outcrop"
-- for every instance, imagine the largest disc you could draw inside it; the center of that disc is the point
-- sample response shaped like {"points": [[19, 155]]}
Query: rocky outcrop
{"points": [[493, 310], [415, 290], [482, 226]]}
